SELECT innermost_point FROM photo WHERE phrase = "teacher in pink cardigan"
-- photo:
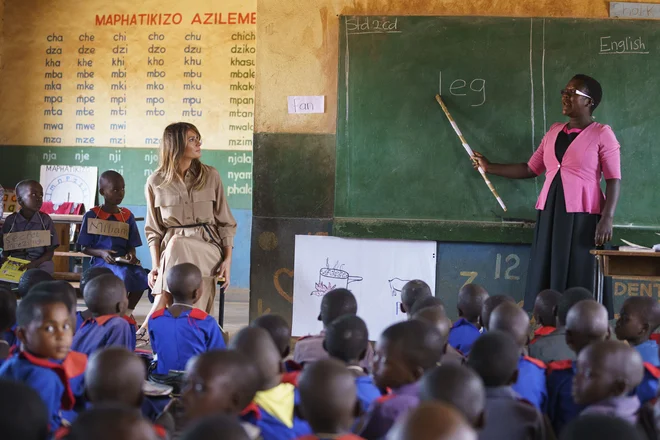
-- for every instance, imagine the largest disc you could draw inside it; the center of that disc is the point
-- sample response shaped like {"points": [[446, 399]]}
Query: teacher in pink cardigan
{"points": [[574, 215]]}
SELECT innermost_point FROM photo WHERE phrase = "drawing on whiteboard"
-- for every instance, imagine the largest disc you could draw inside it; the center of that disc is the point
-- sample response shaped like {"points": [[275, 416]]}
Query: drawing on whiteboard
{"points": [[396, 285], [333, 278]]}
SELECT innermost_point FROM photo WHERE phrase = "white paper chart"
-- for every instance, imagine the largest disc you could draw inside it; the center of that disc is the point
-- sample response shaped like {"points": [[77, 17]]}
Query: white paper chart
{"points": [[374, 270]]}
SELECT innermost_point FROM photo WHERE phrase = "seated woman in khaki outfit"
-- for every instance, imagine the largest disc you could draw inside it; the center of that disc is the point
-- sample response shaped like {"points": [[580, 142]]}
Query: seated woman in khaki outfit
{"points": [[188, 218]]}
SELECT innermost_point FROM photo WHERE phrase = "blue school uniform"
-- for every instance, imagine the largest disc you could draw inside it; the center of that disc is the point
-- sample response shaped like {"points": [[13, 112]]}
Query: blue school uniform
{"points": [[386, 410], [648, 389], [134, 276], [561, 408], [367, 392], [273, 428], [10, 336], [103, 331], [531, 384], [177, 339], [462, 335], [649, 352], [57, 382]]}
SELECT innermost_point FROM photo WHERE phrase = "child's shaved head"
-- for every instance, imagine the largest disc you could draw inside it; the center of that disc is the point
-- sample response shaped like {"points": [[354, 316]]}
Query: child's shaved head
{"points": [[458, 386], [257, 345], [111, 423], [606, 369], [106, 295], [640, 316], [278, 329], [471, 298], [545, 307], [183, 280], [511, 319], [433, 421], [412, 292], [491, 304], [586, 323], [328, 397], [115, 375]]}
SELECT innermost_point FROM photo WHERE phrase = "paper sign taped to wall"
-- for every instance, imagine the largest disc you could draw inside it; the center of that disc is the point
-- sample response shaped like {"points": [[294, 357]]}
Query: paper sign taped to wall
{"points": [[306, 104], [107, 228], [26, 240], [64, 183]]}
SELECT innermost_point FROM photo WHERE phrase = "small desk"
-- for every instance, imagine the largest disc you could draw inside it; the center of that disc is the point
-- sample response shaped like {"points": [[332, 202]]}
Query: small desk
{"points": [[632, 265]]}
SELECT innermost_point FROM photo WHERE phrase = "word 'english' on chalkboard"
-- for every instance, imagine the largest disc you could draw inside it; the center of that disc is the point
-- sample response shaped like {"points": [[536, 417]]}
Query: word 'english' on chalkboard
{"points": [[107, 228], [26, 240]]}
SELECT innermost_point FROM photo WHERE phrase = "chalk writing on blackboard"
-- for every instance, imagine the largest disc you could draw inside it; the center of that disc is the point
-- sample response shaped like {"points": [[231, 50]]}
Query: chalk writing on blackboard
{"points": [[107, 228], [627, 45], [26, 240], [370, 25]]}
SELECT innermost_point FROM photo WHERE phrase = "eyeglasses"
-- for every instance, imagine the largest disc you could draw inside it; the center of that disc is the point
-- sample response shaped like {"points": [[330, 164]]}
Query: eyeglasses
{"points": [[571, 92]]}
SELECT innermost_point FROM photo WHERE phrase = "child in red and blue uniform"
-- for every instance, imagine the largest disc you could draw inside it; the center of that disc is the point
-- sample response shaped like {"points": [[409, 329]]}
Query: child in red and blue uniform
{"points": [[181, 331], [530, 384], [328, 400], [280, 331], [272, 409], [220, 382], [346, 339], [45, 361], [639, 318], [105, 297], [30, 194], [86, 277], [586, 323], [7, 321], [403, 353], [545, 313], [466, 330], [104, 249]]}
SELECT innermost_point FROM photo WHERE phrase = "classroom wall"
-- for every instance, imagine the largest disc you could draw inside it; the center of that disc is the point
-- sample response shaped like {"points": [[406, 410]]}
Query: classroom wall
{"points": [[294, 155], [98, 90]]}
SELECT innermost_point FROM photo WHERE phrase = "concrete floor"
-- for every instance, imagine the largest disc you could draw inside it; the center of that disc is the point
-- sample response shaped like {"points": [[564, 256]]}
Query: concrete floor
{"points": [[236, 309]]}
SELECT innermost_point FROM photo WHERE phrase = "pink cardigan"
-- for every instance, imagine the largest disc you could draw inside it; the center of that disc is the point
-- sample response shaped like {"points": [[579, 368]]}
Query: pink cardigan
{"points": [[594, 150]]}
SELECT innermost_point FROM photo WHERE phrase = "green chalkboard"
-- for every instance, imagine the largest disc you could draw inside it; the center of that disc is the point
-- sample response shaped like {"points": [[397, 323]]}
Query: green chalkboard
{"points": [[397, 156]]}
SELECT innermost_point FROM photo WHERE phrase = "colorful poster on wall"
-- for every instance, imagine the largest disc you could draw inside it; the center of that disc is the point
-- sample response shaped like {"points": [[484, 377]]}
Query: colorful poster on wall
{"points": [[81, 73], [374, 270]]}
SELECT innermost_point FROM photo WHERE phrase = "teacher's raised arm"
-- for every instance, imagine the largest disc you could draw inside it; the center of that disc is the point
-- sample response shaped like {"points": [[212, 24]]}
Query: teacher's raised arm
{"points": [[574, 215], [188, 218]]}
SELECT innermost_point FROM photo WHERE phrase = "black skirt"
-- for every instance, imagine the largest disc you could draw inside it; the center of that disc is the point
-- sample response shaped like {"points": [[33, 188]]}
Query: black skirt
{"points": [[560, 257]]}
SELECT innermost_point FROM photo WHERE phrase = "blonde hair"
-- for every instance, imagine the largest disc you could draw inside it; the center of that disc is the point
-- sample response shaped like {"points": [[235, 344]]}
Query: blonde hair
{"points": [[172, 147]]}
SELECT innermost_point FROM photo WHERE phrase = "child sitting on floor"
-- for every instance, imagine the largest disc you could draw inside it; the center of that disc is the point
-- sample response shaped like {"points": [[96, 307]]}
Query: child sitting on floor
{"points": [[466, 330], [545, 313], [436, 316], [45, 361], [31, 278], [23, 415], [105, 297], [29, 195], [328, 400], [404, 352], [280, 331], [85, 278], [512, 320], [116, 240], [607, 372], [181, 331], [346, 339], [495, 358], [640, 316], [272, 410]]}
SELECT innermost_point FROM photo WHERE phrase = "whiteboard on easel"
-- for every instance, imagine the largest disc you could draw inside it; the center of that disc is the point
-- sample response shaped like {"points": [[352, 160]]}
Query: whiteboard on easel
{"points": [[374, 270], [69, 183]]}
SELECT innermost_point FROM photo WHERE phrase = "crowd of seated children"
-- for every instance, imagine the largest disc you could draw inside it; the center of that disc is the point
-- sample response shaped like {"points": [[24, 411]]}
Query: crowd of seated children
{"points": [[413, 390], [30, 197]]}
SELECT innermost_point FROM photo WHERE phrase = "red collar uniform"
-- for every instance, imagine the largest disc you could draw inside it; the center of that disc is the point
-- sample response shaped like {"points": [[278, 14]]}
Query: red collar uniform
{"points": [[104, 331]]}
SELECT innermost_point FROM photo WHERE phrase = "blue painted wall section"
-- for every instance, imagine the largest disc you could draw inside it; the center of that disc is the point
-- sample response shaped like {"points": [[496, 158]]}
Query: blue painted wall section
{"points": [[499, 268]]}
